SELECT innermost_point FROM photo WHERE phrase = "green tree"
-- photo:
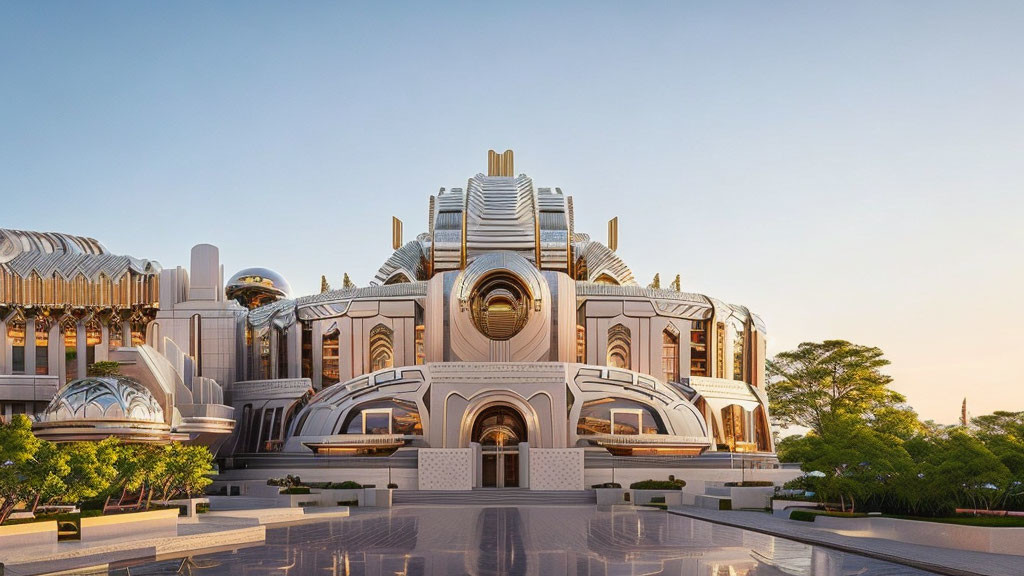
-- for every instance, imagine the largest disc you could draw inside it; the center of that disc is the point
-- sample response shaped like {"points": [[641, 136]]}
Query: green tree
{"points": [[140, 468], [92, 468], [821, 379], [897, 421], [18, 446], [104, 368], [186, 470]]}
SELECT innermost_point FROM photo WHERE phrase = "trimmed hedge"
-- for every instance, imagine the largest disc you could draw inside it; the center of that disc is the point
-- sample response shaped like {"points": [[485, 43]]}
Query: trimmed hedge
{"points": [[658, 485], [802, 515], [296, 490], [607, 485]]}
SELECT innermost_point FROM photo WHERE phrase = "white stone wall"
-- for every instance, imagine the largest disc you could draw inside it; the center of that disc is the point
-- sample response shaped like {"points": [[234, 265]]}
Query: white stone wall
{"points": [[446, 468], [556, 468]]}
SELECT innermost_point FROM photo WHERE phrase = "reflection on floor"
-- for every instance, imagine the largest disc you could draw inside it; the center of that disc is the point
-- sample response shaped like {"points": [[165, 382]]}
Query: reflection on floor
{"points": [[524, 541]]}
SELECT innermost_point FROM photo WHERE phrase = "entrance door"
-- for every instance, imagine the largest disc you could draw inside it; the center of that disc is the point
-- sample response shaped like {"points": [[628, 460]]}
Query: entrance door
{"points": [[499, 430]]}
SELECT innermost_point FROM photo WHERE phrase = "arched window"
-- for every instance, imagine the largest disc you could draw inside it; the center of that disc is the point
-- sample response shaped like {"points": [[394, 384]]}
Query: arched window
{"points": [[382, 351], [69, 329], [618, 416], [282, 352], [736, 428], [16, 336], [739, 330], [330, 369], [390, 416], [195, 340], [670, 354], [619, 343], [43, 324]]}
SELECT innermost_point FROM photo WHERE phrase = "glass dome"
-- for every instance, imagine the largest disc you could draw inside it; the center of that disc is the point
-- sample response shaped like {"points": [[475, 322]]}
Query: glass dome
{"points": [[254, 287], [104, 398]]}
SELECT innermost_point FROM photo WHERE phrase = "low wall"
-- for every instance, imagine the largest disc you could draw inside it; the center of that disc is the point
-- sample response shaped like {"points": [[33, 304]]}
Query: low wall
{"points": [[445, 469], [955, 536], [694, 477], [672, 497], [556, 468], [151, 524], [30, 534], [756, 497]]}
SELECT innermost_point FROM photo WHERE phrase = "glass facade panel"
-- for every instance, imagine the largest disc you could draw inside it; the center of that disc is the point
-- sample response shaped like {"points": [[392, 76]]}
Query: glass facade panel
{"points": [[43, 324], [330, 370], [405, 418], [16, 336], [738, 347], [596, 417], [670, 356], [619, 343], [698, 348]]}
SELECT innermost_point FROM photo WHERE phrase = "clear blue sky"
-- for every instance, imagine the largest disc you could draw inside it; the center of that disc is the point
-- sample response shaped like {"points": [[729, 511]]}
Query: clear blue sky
{"points": [[846, 170]]}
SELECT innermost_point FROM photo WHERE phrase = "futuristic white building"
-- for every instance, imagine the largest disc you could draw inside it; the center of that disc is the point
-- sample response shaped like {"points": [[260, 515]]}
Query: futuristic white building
{"points": [[499, 348]]}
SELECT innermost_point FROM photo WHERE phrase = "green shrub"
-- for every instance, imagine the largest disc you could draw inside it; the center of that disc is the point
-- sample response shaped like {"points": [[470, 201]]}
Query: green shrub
{"points": [[348, 502], [657, 500], [607, 485], [750, 484], [658, 485], [725, 504], [295, 490], [802, 515]]}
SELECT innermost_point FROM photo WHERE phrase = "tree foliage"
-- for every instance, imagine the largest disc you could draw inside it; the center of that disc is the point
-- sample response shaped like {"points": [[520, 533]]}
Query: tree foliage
{"points": [[820, 379], [34, 471]]}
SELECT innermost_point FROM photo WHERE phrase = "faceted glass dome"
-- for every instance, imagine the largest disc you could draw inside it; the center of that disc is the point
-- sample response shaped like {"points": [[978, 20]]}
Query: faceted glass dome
{"points": [[104, 398], [254, 287]]}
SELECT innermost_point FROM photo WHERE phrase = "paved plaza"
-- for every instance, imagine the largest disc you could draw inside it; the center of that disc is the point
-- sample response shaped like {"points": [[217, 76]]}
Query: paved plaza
{"points": [[524, 540]]}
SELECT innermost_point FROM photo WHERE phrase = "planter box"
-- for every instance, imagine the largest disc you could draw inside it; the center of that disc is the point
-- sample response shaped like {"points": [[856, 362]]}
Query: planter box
{"points": [[612, 496], [30, 534], [955, 536], [757, 497], [151, 524], [672, 497]]}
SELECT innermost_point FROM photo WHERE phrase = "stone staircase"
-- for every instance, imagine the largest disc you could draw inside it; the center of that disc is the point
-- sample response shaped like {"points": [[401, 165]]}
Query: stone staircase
{"points": [[496, 497]]}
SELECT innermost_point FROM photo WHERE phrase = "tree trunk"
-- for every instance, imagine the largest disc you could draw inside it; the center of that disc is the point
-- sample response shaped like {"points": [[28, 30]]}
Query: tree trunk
{"points": [[842, 502], [35, 504]]}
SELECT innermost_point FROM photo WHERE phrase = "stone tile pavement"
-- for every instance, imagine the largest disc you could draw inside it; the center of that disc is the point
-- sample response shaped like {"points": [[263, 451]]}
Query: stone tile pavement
{"points": [[939, 560]]}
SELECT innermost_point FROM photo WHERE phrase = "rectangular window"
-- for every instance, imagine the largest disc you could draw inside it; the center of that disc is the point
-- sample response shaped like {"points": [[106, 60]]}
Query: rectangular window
{"points": [[581, 344], [377, 421], [670, 356], [738, 345], [330, 371], [16, 334], [698, 348], [626, 421], [307, 351], [720, 350], [421, 352]]}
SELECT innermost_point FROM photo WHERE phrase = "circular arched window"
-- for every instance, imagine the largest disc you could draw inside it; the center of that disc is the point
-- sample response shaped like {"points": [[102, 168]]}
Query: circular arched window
{"points": [[500, 305]]}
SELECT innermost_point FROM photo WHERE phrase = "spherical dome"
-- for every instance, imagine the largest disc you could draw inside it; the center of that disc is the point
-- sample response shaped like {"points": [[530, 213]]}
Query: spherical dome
{"points": [[254, 287], [104, 398]]}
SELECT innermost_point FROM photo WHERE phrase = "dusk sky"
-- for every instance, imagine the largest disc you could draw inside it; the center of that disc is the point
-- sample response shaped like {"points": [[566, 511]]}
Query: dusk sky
{"points": [[846, 171]]}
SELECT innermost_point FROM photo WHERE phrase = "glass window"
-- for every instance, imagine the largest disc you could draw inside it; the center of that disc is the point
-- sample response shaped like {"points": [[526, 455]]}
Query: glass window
{"points": [[307, 351], [403, 415], [738, 347], [619, 342], [630, 417], [421, 352], [43, 324], [16, 335], [581, 344], [70, 330], [114, 336], [264, 354], [195, 340], [698, 348], [330, 371], [720, 350], [381, 348], [282, 353], [670, 355]]}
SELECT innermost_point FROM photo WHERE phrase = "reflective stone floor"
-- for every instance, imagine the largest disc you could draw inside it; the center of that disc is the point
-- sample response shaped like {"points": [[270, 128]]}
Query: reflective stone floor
{"points": [[525, 540]]}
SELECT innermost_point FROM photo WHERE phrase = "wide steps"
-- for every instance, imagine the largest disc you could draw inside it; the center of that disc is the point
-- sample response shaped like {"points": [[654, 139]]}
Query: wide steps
{"points": [[496, 497]]}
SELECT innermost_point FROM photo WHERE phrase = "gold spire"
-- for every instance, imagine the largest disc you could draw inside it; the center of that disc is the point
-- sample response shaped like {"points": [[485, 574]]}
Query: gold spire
{"points": [[324, 286], [656, 282], [676, 284], [500, 164], [613, 234], [346, 282], [396, 233]]}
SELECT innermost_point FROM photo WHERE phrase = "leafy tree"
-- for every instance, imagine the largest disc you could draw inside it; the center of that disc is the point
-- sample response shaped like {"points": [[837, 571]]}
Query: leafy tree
{"points": [[18, 446], [92, 468], [140, 468], [897, 421], [186, 470], [831, 377]]}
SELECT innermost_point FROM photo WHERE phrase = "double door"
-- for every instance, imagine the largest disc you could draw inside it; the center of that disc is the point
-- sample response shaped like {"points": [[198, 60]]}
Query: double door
{"points": [[500, 466]]}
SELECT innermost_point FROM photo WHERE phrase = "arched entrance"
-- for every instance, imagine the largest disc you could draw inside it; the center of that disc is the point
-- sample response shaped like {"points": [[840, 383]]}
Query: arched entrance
{"points": [[499, 429]]}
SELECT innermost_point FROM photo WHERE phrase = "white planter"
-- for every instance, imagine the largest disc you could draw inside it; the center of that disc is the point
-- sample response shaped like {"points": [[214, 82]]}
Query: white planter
{"points": [[30, 534], [151, 524]]}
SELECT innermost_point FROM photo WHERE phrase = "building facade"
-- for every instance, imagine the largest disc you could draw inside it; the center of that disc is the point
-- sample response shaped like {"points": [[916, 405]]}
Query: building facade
{"points": [[499, 348]]}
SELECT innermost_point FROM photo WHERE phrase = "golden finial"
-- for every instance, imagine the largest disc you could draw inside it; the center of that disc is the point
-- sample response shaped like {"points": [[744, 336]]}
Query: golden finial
{"points": [[656, 282], [500, 164], [396, 233], [324, 286], [613, 234], [346, 282], [676, 284]]}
